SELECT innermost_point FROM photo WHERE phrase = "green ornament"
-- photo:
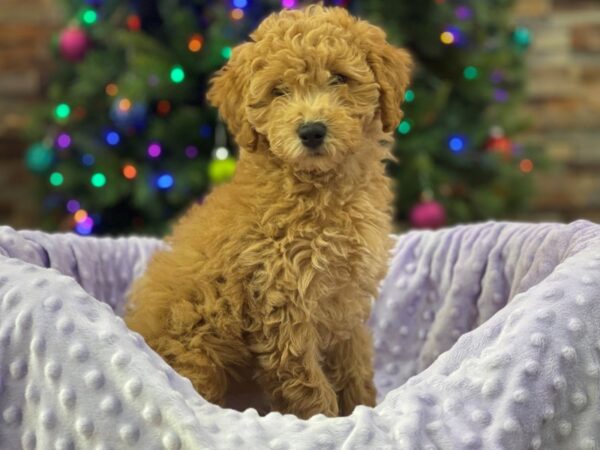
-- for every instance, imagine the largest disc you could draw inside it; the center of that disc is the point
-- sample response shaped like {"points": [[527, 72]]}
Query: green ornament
{"points": [[221, 170], [522, 37], [39, 157]]}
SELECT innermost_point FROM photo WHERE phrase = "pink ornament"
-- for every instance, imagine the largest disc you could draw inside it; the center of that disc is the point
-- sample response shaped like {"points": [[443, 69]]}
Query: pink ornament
{"points": [[73, 44], [428, 214]]}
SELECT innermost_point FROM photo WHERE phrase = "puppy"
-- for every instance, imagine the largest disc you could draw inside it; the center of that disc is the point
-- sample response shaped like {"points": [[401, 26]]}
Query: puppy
{"points": [[270, 281]]}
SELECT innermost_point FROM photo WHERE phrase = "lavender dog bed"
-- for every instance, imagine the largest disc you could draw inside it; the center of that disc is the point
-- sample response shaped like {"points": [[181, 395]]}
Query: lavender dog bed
{"points": [[487, 336]]}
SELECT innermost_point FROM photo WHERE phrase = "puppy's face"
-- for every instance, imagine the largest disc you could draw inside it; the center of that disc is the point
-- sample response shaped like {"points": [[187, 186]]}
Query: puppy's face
{"points": [[309, 86]]}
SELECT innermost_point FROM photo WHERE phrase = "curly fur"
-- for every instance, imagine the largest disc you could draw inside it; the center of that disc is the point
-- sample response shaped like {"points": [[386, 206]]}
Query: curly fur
{"points": [[270, 281]]}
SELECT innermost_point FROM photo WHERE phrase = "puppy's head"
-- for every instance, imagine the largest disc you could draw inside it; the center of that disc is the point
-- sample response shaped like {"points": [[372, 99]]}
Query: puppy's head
{"points": [[308, 86]]}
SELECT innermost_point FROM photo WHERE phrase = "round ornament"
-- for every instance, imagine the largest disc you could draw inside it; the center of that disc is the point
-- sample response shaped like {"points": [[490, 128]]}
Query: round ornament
{"points": [[499, 143], [73, 44], [428, 214]]}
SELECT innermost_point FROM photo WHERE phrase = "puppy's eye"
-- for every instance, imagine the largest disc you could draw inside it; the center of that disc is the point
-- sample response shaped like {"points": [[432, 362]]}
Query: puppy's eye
{"points": [[338, 78], [278, 92]]}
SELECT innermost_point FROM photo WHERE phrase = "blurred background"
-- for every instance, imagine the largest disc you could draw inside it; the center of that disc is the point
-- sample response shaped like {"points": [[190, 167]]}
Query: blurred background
{"points": [[104, 128]]}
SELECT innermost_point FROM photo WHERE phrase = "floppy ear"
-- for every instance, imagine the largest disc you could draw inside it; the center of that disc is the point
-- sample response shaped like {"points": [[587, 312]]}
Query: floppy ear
{"points": [[392, 67], [227, 92]]}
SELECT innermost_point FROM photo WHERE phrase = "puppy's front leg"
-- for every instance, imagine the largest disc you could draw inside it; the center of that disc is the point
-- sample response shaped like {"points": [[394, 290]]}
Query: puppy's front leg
{"points": [[350, 368], [289, 369]]}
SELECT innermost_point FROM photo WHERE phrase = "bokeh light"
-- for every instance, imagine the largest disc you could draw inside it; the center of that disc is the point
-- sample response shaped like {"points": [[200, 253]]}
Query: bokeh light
{"points": [[89, 16], [129, 171], [177, 74], [457, 143], [165, 181], [195, 43], [62, 111], [111, 89], [471, 72], [191, 151], [112, 138], [98, 180], [73, 206], [404, 127], [154, 150], [56, 178], [237, 14], [526, 166], [63, 141]]}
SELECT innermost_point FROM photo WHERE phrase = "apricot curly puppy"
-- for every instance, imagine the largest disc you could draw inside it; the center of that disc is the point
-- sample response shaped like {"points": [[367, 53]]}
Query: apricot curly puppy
{"points": [[271, 279]]}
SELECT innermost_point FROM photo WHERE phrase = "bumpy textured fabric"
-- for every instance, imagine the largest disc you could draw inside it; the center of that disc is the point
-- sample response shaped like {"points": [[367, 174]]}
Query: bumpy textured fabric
{"points": [[487, 336]]}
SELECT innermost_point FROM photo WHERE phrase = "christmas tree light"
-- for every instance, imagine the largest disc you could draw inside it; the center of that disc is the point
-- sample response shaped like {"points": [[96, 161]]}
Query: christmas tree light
{"points": [[56, 178], [62, 111], [98, 180], [177, 74]]}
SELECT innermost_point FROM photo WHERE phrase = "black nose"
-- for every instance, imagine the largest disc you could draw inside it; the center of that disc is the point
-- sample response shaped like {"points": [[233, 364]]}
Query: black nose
{"points": [[312, 134]]}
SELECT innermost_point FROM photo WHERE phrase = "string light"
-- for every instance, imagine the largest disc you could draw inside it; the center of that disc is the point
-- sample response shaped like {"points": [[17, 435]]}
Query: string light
{"points": [[89, 16], [456, 143], [134, 23], [85, 227], [447, 38], [111, 89], [88, 160], [206, 131], [112, 138], [463, 12], [98, 180], [471, 72], [404, 127], [62, 111], [163, 107], [80, 215], [73, 206], [154, 150], [129, 171], [526, 166], [409, 96], [221, 153], [191, 151], [240, 3], [125, 104], [177, 74], [195, 43], [237, 14], [63, 141], [226, 52], [165, 181], [56, 178], [501, 95]]}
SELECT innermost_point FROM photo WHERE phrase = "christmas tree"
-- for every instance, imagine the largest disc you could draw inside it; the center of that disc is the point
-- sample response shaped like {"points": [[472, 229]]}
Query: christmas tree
{"points": [[455, 147], [127, 140]]}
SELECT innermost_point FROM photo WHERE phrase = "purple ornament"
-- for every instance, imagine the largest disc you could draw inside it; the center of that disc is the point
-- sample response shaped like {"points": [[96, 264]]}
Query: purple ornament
{"points": [[191, 151], [501, 95], [463, 12], [497, 76], [428, 214], [73, 44], [73, 206]]}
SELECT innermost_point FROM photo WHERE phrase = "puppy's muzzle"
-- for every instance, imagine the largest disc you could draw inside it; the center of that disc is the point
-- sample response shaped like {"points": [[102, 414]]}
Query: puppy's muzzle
{"points": [[312, 134]]}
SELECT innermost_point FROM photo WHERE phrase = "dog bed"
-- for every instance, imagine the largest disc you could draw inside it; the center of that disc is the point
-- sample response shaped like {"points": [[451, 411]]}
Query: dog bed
{"points": [[487, 336]]}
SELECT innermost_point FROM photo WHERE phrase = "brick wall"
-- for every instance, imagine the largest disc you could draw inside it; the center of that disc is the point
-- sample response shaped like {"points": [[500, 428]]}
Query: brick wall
{"points": [[564, 102], [26, 27]]}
